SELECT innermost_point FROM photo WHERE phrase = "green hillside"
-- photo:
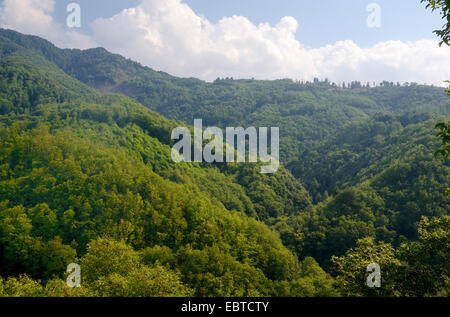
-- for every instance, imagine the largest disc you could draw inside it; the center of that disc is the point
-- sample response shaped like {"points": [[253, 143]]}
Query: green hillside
{"points": [[305, 112], [86, 176]]}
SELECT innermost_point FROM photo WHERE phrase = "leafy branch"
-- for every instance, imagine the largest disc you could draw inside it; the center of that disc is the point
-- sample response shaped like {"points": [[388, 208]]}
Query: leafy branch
{"points": [[444, 151], [444, 7], [444, 134]]}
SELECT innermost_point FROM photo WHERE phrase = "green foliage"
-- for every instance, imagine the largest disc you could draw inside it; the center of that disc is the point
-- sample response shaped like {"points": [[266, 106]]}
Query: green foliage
{"points": [[88, 177], [313, 282], [141, 282], [320, 108], [105, 257], [113, 269], [443, 6], [22, 286], [59, 185], [382, 189], [352, 269], [417, 269], [362, 150], [444, 134]]}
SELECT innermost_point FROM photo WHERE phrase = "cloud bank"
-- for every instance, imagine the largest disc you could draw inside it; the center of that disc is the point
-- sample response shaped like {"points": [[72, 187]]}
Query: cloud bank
{"points": [[168, 35], [35, 17]]}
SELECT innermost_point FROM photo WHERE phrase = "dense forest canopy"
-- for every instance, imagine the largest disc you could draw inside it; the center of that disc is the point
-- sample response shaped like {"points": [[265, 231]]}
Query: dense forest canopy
{"points": [[86, 176]]}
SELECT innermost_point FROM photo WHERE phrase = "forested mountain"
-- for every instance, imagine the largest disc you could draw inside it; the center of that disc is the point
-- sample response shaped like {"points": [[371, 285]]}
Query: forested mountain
{"points": [[86, 176], [305, 112]]}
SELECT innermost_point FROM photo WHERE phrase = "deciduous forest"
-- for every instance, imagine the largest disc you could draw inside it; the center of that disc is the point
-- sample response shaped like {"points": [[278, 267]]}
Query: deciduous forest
{"points": [[86, 177]]}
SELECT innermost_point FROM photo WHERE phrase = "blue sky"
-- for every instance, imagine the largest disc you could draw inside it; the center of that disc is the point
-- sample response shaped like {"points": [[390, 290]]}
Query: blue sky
{"points": [[327, 21], [262, 39], [320, 22]]}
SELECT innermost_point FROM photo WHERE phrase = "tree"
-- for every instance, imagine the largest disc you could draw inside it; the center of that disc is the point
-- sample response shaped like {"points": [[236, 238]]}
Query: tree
{"points": [[418, 268], [443, 6], [112, 268], [352, 269], [22, 286], [105, 257], [444, 134], [426, 269]]}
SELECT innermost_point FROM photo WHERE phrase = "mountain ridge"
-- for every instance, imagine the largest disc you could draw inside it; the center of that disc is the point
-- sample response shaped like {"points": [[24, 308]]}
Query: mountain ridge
{"points": [[82, 171]]}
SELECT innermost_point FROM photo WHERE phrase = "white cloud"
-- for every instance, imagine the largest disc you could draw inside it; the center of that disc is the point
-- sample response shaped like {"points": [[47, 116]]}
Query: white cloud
{"points": [[168, 35], [35, 17]]}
